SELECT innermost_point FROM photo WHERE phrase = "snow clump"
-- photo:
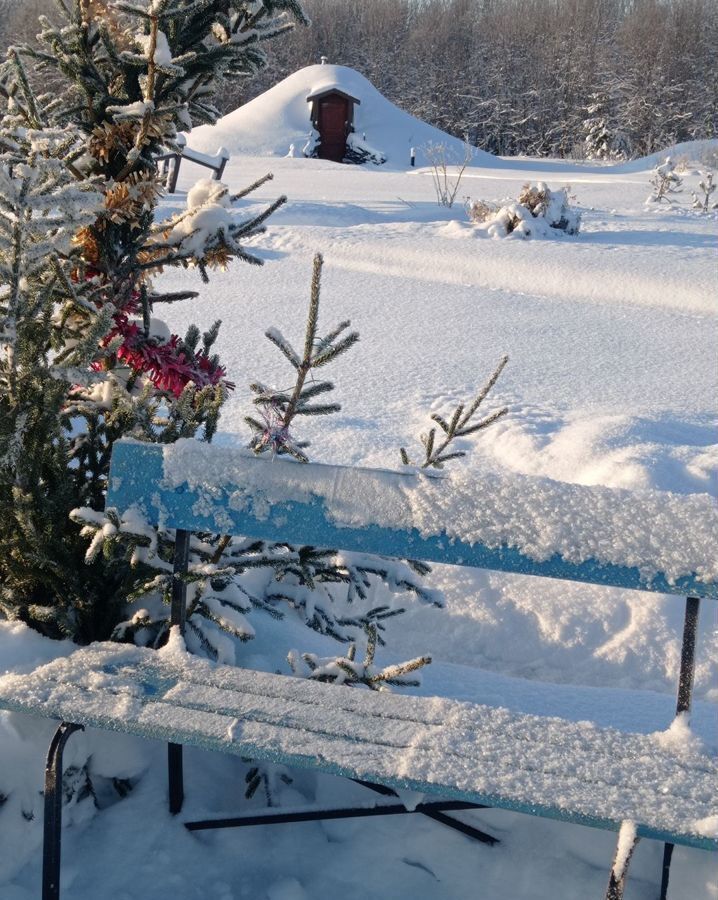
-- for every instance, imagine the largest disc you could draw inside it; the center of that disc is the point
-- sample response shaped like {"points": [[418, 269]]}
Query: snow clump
{"points": [[208, 212], [538, 212]]}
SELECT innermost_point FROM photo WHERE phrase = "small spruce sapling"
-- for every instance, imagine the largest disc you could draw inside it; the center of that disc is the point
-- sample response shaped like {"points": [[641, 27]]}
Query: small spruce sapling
{"points": [[312, 580], [278, 408], [665, 181], [438, 451], [702, 201]]}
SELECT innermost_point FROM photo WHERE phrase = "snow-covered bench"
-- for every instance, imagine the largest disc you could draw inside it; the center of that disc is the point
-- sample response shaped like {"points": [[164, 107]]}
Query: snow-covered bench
{"points": [[171, 162], [456, 754]]}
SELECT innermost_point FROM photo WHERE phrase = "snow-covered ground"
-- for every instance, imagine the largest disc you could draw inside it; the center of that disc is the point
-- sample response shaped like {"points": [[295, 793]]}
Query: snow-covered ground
{"points": [[612, 381]]}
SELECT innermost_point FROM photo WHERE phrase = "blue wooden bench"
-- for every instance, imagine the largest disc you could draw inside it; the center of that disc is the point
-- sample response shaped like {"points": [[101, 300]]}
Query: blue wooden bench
{"points": [[458, 755]]}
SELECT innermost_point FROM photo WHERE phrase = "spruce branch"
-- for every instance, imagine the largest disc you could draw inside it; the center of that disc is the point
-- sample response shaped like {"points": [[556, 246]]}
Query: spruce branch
{"points": [[459, 425], [252, 187], [351, 672], [279, 408]]}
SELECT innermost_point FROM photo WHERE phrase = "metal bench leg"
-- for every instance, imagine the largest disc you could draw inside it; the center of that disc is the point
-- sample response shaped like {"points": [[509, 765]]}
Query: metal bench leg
{"points": [[177, 618], [666, 871], [621, 859], [174, 173], [53, 812], [683, 703], [437, 814], [688, 656]]}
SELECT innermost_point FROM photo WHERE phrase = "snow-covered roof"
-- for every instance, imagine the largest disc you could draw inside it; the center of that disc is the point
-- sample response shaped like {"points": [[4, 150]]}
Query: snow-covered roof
{"points": [[333, 88], [267, 125]]}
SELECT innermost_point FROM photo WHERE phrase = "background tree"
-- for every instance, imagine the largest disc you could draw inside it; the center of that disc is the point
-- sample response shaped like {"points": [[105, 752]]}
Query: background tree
{"points": [[517, 76]]}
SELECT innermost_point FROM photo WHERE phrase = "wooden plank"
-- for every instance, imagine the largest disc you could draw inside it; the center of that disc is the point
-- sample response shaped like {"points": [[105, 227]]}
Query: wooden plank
{"points": [[137, 478]]}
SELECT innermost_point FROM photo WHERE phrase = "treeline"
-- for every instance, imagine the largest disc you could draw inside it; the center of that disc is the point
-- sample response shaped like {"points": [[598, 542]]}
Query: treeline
{"points": [[597, 78]]}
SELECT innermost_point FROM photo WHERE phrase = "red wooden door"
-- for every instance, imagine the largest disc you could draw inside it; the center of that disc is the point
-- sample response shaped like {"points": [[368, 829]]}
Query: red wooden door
{"points": [[333, 115]]}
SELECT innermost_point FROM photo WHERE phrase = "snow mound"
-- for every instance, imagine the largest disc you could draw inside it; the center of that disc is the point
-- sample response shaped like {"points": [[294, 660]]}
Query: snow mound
{"points": [[688, 155], [278, 118]]}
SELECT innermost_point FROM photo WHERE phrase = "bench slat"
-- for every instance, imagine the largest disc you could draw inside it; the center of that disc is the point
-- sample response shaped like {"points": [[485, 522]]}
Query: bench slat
{"points": [[571, 771], [137, 478]]}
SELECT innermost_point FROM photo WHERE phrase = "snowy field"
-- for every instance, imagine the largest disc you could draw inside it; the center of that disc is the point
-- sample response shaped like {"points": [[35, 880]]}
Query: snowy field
{"points": [[611, 381]]}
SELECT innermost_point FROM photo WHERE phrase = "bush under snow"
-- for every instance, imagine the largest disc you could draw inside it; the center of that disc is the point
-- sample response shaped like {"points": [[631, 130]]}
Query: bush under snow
{"points": [[538, 212]]}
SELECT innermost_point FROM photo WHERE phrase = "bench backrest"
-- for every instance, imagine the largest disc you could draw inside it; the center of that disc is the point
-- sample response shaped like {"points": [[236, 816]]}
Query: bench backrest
{"points": [[650, 540]]}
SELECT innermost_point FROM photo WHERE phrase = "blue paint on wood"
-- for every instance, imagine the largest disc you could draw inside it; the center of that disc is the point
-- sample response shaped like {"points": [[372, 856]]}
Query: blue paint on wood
{"points": [[256, 751], [136, 476]]}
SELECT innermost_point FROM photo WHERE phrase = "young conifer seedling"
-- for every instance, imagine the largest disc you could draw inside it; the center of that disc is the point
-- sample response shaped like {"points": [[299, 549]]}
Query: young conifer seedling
{"points": [[665, 181], [702, 201], [279, 408], [438, 452]]}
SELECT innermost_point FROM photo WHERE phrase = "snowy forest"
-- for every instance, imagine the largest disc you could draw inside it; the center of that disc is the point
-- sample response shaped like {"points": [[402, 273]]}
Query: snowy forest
{"points": [[569, 78]]}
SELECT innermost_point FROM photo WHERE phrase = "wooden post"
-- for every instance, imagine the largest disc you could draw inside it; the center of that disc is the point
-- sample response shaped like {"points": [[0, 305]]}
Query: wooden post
{"points": [[627, 840], [223, 155], [174, 172]]}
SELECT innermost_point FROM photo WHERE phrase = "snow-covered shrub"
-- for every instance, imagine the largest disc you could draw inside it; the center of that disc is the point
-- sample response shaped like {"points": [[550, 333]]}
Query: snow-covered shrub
{"points": [[664, 181], [311, 149], [447, 171], [479, 211], [360, 152], [538, 212], [702, 201]]}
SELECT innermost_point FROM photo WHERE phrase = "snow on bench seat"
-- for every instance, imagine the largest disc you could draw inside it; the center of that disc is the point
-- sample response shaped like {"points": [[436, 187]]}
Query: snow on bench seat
{"points": [[573, 771]]}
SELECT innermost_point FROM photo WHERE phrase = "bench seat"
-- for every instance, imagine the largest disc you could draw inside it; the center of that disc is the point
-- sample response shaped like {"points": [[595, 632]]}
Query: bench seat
{"points": [[572, 771]]}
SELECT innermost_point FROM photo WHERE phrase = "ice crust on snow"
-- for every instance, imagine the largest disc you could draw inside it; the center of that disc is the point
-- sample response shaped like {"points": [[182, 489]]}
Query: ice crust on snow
{"points": [[654, 531], [428, 745]]}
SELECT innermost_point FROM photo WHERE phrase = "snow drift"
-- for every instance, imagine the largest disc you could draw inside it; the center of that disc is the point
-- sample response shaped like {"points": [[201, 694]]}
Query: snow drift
{"points": [[687, 155], [269, 124]]}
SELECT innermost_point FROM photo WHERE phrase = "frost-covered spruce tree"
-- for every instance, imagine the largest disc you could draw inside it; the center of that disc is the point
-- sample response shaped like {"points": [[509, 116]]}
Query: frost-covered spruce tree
{"points": [[134, 74], [331, 591], [602, 140], [42, 206], [664, 181]]}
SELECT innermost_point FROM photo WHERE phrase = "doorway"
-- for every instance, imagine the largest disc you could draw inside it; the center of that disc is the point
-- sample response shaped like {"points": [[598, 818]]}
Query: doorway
{"points": [[333, 125]]}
